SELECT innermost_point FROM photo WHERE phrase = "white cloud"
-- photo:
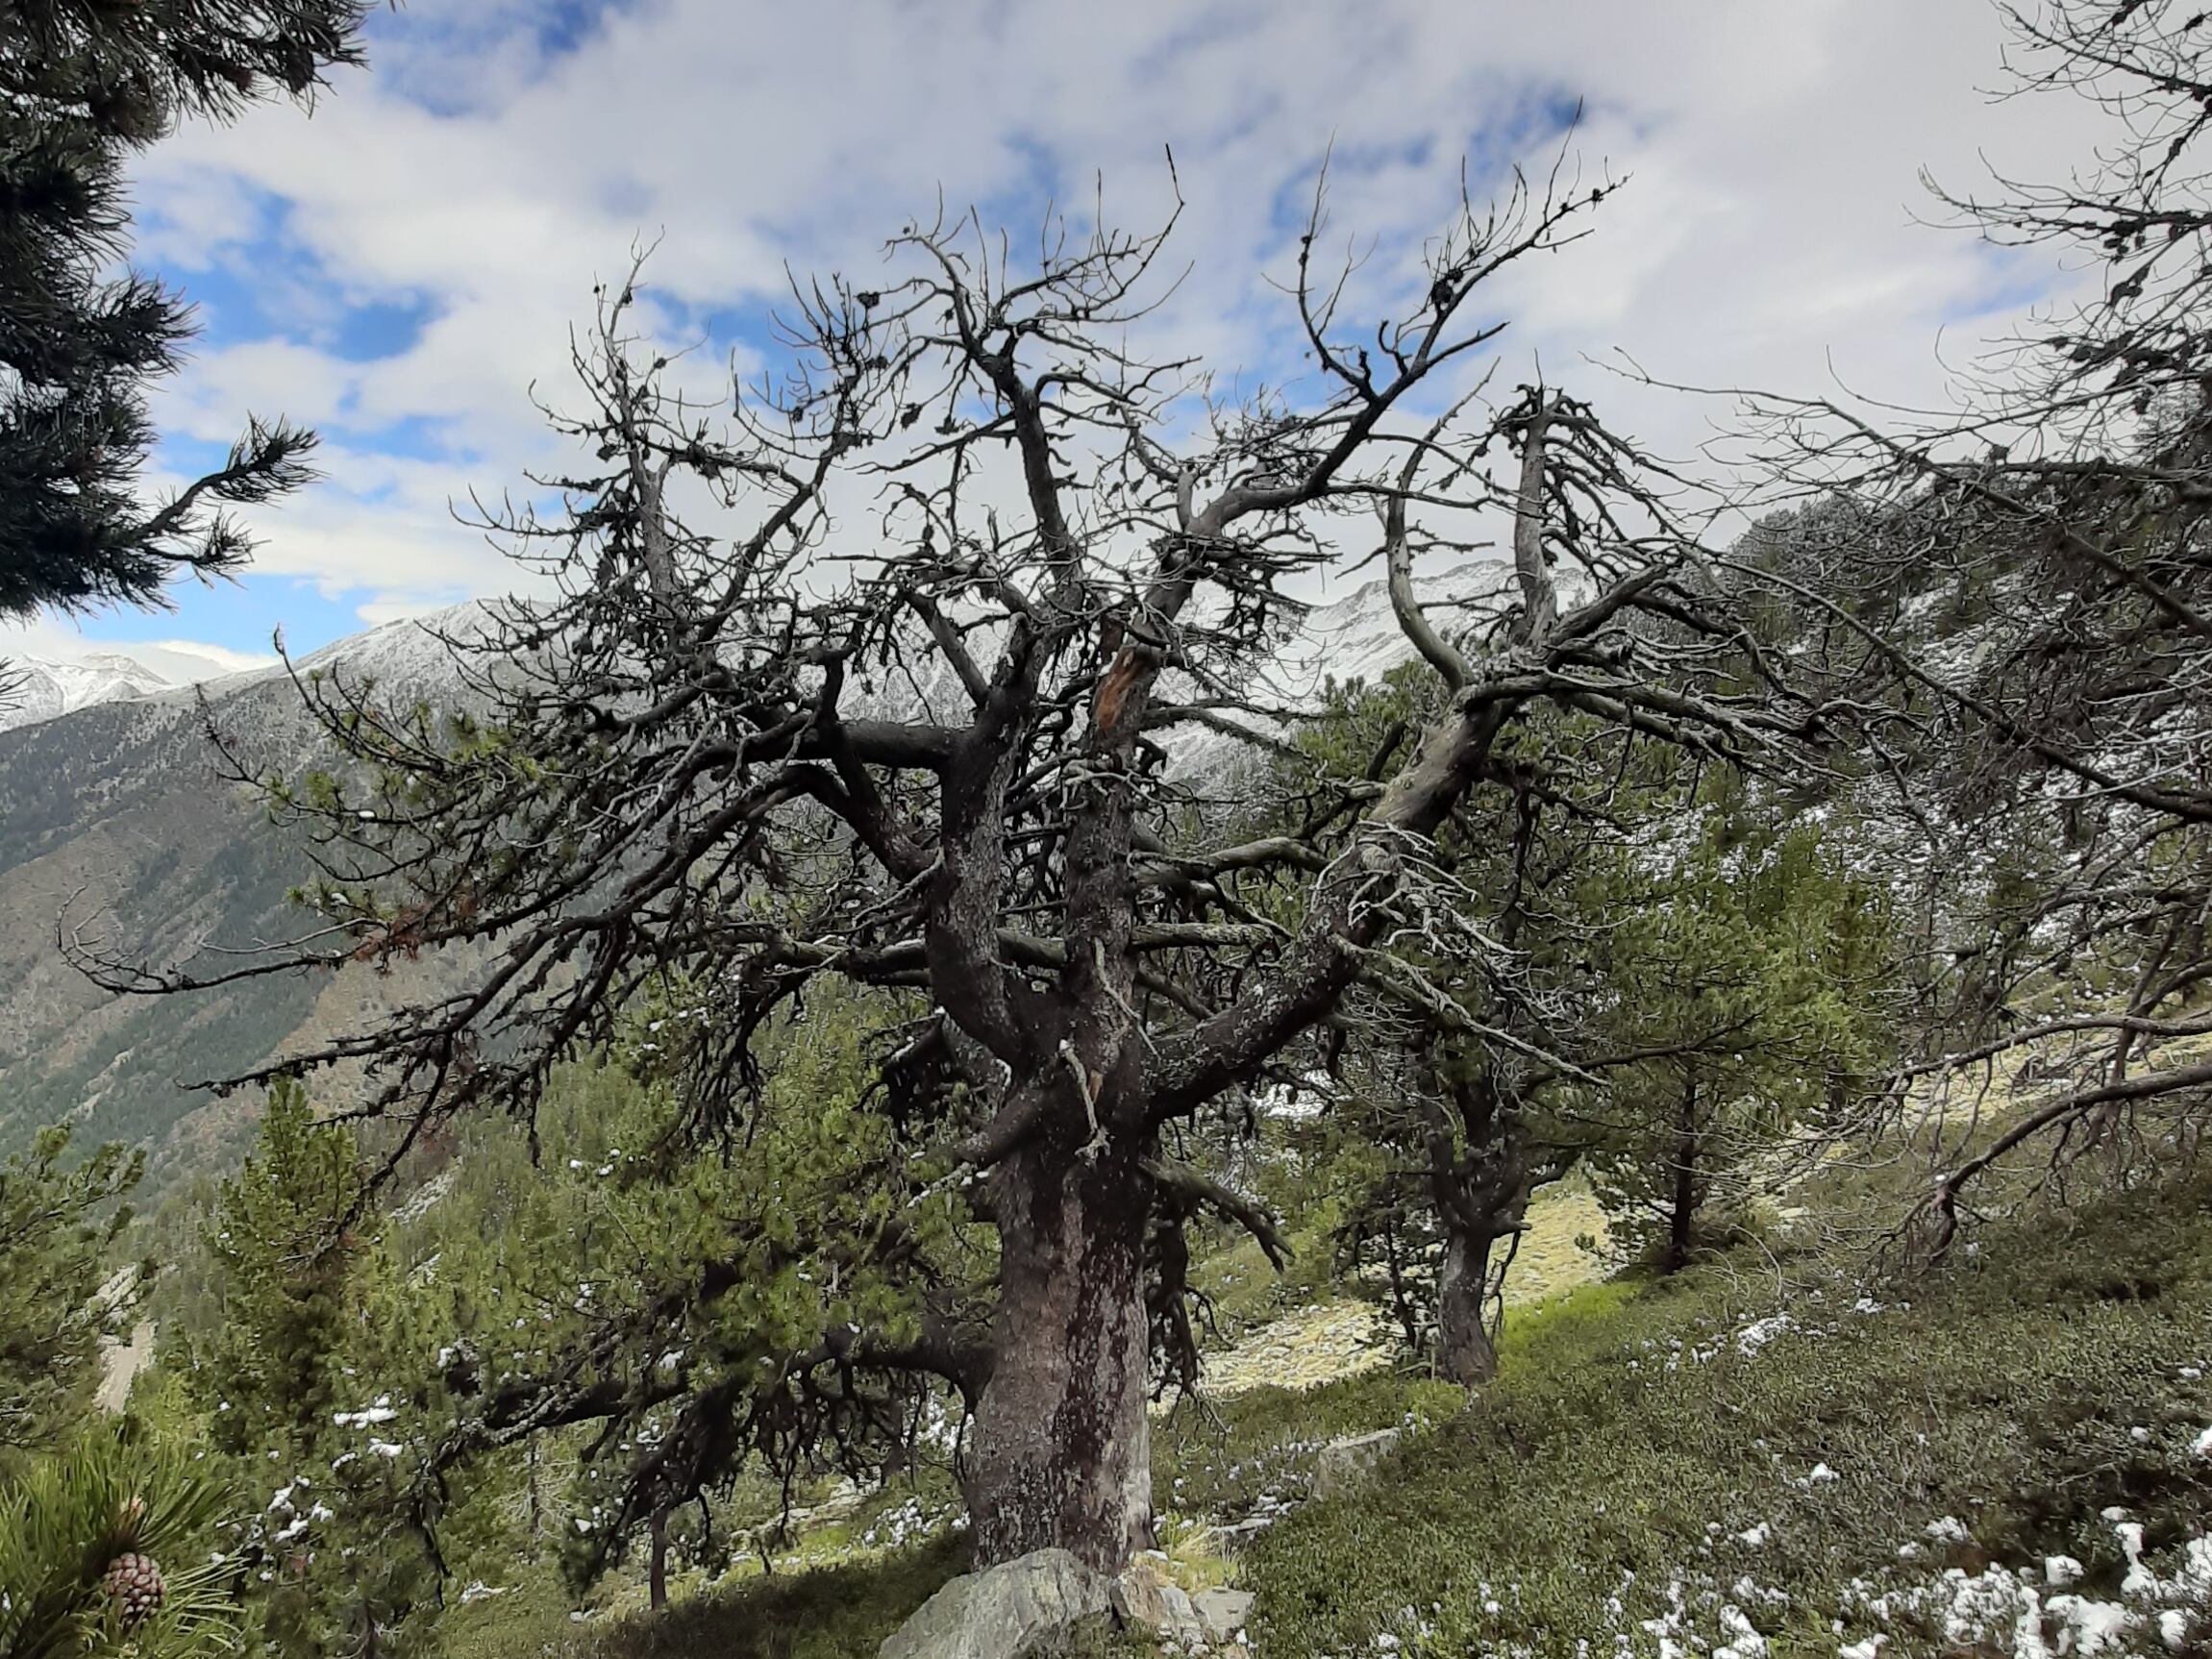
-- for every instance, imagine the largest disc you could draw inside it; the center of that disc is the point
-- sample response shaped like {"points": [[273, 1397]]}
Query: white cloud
{"points": [[180, 662], [1769, 228], [219, 657]]}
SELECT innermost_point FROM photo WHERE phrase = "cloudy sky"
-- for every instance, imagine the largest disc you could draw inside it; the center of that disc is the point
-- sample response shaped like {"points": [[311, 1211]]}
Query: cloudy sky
{"points": [[401, 268]]}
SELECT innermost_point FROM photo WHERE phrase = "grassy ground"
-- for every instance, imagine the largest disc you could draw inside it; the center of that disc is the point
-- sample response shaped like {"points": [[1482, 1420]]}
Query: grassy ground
{"points": [[1222, 1461], [1563, 1248], [1765, 1458], [1677, 1470], [1256, 1451], [826, 1613]]}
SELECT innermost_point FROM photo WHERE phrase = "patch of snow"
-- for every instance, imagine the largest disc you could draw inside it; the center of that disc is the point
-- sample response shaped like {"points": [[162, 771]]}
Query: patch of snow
{"points": [[368, 1417], [2003, 1611], [1757, 1335]]}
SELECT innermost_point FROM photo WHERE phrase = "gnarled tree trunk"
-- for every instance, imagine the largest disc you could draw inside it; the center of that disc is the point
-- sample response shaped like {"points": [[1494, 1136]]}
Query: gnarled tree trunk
{"points": [[1464, 1352], [1482, 1168], [1063, 1448]]}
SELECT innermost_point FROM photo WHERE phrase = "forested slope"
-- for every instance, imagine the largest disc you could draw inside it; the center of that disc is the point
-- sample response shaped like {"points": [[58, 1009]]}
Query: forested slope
{"points": [[119, 826]]}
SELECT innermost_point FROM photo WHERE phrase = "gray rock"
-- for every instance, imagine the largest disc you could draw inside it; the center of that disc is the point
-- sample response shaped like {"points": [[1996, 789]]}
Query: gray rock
{"points": [[1223, 1613], [1183, 1619], [1346, 1463], [996, 1613], [1151, 1602], [1145, 1598]]}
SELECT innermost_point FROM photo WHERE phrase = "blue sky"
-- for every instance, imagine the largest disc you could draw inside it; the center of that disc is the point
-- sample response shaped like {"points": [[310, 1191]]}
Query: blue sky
{"points": [[400, 267]]}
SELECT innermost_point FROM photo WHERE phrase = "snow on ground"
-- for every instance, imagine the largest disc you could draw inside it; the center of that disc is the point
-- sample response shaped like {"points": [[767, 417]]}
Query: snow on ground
{"points": [[2031, 1612]]}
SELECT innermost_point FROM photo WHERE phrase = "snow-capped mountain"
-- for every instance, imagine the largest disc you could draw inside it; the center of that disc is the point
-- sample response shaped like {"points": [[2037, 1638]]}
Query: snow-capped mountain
{"points": [[1356, 636], [43, 689], [33, 688]]}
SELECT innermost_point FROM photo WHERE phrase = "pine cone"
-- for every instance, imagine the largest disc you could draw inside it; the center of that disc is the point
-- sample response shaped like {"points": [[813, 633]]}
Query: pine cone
{"points": [[134, 1585]]}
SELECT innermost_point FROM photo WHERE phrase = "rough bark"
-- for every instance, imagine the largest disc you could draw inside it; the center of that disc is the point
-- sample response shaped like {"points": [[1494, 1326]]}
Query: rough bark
{"points": [[1063, 1448], [1464, 1352], [1482, 1167], [536, 1502]]}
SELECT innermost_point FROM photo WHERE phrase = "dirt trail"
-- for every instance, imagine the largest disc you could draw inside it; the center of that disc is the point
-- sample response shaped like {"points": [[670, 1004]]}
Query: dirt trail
{"points": [[123, 1361]]}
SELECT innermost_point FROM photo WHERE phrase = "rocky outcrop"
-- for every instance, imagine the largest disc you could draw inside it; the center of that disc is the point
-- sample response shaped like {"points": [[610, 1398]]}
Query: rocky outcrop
{"points": [[999, 1612], [1222, 1614], [1021, 1606], [1146, 1597], [1344, 1464]]}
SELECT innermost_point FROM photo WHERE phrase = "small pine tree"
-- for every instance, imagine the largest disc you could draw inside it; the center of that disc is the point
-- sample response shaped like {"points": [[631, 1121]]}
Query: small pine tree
{"points": [[1743, 999], [276, 1240], [58, 1226], [284, 1377]]}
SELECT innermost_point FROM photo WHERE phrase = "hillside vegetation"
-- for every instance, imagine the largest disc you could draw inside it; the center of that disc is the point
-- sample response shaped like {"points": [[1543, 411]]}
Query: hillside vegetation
{"points": [[1779, 1452], [119, 829], [912, 1033]]}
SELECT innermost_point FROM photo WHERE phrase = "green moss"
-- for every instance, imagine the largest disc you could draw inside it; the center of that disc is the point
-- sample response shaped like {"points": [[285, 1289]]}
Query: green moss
{"points": [[1588, 1312]]}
